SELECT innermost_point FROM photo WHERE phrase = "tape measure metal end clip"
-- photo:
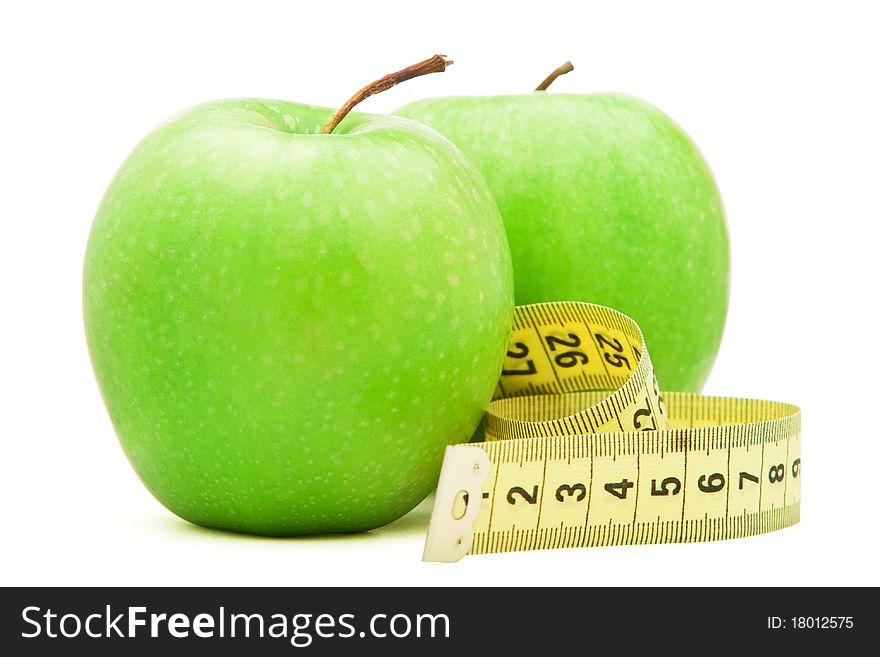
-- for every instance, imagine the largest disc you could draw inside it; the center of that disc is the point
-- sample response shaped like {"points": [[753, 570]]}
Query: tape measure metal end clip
{"points": [[457, 505]]}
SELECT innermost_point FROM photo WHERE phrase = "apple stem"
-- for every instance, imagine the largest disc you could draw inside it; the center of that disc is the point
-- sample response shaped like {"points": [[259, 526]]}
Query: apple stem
{"points": [[562, 70], [436, 64]]}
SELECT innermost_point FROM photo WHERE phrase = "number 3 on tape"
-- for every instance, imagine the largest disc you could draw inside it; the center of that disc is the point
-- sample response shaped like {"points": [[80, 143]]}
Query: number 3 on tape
{"points": [[567, 465]]}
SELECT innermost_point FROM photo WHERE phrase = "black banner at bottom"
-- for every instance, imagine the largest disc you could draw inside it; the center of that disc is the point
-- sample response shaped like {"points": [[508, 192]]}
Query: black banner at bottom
{"points": [[278, 621]]}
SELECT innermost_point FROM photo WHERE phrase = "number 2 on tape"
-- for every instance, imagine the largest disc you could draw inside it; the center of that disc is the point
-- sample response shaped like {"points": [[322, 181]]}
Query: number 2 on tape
{"points": [[568, 464]]}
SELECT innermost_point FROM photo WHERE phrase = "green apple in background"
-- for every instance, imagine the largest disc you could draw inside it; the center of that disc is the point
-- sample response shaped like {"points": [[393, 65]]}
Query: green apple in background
{"points": [[605, 199], [288, 327]]}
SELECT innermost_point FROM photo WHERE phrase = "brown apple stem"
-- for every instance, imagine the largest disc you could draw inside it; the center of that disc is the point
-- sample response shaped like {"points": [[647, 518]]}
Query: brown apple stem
{"points": [[562, 70], [436, 64]]}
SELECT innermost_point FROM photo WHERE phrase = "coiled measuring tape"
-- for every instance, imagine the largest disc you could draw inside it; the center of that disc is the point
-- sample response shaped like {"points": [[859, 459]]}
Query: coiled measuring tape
{"points": [[565, 464]]}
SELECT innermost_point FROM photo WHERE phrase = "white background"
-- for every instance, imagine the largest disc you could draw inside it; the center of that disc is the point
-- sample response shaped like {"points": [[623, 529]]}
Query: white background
{"points": [[782, 98]]}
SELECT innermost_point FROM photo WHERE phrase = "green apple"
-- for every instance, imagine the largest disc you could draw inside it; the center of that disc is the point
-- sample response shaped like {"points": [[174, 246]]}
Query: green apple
{"points": [[288, 327], [605, 199]]}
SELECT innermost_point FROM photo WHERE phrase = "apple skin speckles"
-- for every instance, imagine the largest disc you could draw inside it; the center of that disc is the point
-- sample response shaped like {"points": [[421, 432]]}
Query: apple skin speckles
{"points": [[285, 337], [606, 200]]}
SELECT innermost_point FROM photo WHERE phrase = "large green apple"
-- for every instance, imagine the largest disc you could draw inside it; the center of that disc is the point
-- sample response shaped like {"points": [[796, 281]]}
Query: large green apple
{"points": [[605, 199], [288, 327]]}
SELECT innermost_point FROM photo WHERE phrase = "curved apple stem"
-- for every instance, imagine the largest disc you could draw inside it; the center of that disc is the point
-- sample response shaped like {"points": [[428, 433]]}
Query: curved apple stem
{"points": [[436, 64], [562, 70]]}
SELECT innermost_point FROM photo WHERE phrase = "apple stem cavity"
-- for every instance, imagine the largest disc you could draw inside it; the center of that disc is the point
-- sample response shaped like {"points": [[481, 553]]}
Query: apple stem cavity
{"points": [[561, 70], [435, 64]]}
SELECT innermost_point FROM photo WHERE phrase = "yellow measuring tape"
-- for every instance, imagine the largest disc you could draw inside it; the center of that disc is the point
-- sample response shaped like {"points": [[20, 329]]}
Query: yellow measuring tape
{"points": [[565, 464]]}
